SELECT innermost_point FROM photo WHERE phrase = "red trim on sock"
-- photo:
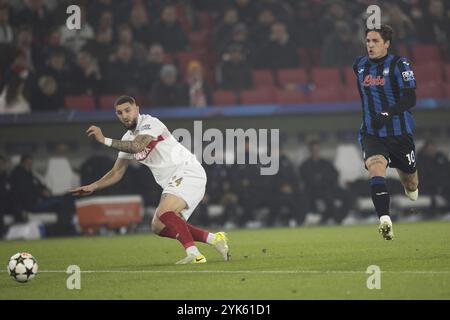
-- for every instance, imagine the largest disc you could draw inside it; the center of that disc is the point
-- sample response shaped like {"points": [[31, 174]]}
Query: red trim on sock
{"points": [[178, 228], [197, 233]]}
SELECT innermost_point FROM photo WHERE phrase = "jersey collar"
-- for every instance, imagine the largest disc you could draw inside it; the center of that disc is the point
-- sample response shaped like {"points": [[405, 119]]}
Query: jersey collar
{"points": [[382, 59]]}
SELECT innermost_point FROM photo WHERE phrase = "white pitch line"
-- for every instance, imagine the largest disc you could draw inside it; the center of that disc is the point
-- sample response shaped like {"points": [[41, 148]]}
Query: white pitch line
{"points": [[281, 272]]}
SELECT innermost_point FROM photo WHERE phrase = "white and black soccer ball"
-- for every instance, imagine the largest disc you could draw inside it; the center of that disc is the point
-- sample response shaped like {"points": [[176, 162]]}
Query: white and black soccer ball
{"points": [[22, 267]]}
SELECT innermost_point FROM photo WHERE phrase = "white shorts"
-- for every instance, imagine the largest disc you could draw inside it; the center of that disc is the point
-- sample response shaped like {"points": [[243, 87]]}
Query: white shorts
{"points": [[188, 183]]}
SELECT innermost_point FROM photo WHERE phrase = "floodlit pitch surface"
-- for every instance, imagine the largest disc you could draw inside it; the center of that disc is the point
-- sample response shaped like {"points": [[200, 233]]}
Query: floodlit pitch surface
{"points": [[301, 263]]}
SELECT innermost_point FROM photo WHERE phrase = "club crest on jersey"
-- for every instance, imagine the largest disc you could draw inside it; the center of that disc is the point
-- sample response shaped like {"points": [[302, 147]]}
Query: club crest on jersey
{"points": [[371, 81], [408, 75]]}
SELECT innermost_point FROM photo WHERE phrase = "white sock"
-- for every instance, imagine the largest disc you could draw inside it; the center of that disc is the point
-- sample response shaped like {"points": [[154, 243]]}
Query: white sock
{"points": [[385, 218], [193, 250], [211, 238]]}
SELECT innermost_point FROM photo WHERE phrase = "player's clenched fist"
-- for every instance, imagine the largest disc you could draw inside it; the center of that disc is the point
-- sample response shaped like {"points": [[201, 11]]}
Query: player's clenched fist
{"points": [[97, 133]]}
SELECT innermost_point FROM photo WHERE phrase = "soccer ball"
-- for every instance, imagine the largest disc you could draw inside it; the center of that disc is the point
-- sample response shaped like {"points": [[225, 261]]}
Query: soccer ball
{"points": [[22, 267]]}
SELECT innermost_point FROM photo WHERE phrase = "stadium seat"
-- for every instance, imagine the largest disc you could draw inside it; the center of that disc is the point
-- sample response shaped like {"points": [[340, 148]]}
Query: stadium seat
{"points": [[107, 102], [82, 102], [350, 77], [262, 95], [326, 77], [447, 72], [291, 76], [224, 98], [290, 97], [425, 53], [327, 94], [430, 90], [428, 72], [262, 78], [350, 93]]}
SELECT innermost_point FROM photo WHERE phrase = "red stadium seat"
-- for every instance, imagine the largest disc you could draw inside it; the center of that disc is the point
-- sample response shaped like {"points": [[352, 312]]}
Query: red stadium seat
{"points": [[290, 97], [261, 95], [430, 90], [327, 94], [262, 78], [291, 76], [224, 98], [107, 102], [326, 76], [350, 77], [351, 93], [428, 72], [447, 72], [425, 53], [447, 89], [82, 102]]}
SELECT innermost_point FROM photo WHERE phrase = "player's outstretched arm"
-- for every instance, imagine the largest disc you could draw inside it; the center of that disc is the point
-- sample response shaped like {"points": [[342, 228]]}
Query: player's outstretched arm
{"points": [[137, 145], [111, 177]]}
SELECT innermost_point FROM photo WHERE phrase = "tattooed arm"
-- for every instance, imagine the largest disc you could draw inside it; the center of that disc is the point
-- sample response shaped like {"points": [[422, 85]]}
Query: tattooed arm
{"points": [[137, 145]]}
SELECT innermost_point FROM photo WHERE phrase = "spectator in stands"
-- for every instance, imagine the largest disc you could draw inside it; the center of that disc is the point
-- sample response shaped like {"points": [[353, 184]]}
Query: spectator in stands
{"points": [[200, 94], [140, 25], [25, 46], [54, 44], [434, 173], [122, 63], [223, 31], [168, 32], [29, 194], [320, 179], [405, 33], [6, 30], [240, 36], [12, 99], [167, 92], [75, 39], [151, 69], [260, 32], [435, 28], [235, 72], [286, 207], [4, 189], [36, 15], [101, 46], [246, 11], [340, 47], [85, 77], [47, 95], [126, 38], [280, 51]]}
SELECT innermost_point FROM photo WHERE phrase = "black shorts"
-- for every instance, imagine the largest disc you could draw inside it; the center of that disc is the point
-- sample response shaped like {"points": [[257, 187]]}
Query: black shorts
{"points": [[399, 151]]}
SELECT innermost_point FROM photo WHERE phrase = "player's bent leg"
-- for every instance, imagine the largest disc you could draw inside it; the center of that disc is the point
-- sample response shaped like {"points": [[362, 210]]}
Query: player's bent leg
{"points": [[168, 215], [410, 182]]}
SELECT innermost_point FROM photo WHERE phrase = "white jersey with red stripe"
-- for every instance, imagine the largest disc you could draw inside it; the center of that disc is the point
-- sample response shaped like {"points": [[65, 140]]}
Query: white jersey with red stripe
{"points": [[163, 155]]}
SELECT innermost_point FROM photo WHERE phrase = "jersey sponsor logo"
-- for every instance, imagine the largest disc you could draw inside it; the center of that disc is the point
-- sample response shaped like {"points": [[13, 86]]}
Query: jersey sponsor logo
{"points": [[371, 81], [141, 156], [408, 75], [145, 127]]}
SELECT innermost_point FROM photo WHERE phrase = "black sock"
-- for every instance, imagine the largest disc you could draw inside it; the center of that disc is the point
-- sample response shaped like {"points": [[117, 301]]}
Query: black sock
{"points": [[380, 195]]}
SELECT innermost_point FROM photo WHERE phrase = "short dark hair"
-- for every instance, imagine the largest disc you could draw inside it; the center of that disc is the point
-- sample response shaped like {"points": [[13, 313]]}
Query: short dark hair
{"points": [[124, 99], [385, 32]]}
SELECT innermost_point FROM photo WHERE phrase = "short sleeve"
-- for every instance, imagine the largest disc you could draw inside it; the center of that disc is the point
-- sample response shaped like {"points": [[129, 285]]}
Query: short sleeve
{"points": [[152, 127], [405, 74]]}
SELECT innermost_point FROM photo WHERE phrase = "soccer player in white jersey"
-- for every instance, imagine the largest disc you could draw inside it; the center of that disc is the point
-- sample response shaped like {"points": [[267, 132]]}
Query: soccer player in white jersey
{"points": [[175, 169]]}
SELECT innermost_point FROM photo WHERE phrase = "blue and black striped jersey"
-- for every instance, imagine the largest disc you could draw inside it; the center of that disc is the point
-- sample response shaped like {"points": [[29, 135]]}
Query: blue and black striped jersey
{"points": [[380, 84]]}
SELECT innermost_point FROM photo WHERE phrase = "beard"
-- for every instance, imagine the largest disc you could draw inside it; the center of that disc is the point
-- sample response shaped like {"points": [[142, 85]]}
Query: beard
{"points": [[131, 126]]}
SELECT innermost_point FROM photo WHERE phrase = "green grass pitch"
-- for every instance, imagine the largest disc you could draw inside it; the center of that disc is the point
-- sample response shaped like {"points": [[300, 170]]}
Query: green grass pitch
{"points": [[301, 263]]}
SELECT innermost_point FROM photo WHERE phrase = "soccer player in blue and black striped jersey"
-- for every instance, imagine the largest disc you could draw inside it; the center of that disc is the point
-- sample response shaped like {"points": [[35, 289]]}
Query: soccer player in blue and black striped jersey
{"points": [[386, 85]]}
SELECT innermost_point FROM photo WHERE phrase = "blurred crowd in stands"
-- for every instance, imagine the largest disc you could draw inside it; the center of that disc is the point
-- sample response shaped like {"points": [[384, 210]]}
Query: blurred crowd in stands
{"points": [[237, 196], [199, 52]]}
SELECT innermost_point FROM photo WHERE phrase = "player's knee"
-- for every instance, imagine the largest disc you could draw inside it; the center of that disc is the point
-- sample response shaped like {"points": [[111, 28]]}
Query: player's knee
{"points": [[156, 226]]}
